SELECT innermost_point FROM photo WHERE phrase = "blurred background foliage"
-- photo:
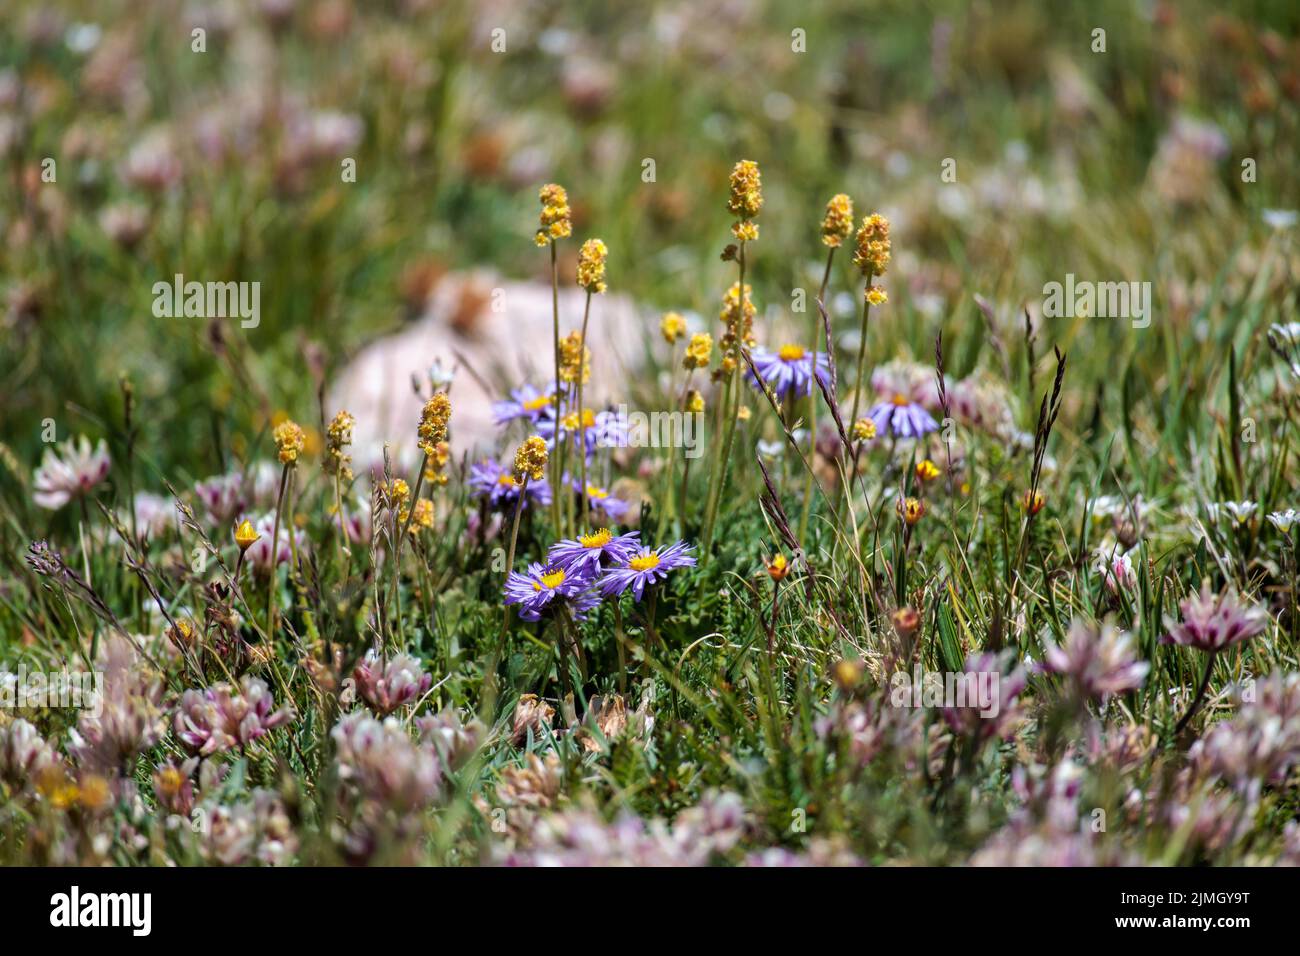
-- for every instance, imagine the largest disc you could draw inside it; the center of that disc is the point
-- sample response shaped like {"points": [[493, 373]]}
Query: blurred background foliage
{"points": [[226, 165]]}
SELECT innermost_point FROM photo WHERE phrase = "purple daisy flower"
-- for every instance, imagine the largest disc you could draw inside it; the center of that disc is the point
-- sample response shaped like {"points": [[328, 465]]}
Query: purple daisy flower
{"points": [[543, 588], [599, 429], [488, 479], [903, 417], [788, 371], [587, 550], [645, 566], [526, 402], [600, 499]]}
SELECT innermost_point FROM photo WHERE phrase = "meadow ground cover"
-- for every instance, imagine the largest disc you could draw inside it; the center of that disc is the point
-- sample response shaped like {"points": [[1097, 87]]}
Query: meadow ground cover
{"points": [[956, 521]]}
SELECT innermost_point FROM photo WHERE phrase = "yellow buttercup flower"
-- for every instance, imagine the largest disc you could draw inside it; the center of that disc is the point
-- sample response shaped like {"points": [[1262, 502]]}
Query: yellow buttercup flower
{"points": [[876, 295], [911, 510], [778, 569], [246, 535], [926, 470]]}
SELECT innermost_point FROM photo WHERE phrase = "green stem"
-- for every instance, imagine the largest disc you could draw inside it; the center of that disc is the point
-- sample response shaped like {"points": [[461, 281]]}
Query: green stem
{"points": [[815, 336]]}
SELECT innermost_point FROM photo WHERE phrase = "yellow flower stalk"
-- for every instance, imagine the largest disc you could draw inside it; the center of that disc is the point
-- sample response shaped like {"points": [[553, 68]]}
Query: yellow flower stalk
{"points": [[337, 438], [672, 327], [555, 218], [530, 459], [591, 266], [289, 441], [746, 199], [434, 420], [871, 256], [698, 351], [837, 225]]}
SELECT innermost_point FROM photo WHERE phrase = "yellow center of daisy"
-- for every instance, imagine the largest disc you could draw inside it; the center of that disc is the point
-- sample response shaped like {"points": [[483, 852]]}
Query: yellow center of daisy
{"points": [[551, 581], [507, 480], [588, 419], [597, 539], [537, 404], [901, 399], [790, 353], [594, 492], [644, 561]]}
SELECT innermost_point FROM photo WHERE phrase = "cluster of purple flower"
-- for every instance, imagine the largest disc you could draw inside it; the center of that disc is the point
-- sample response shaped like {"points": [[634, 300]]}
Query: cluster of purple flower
{"points": [[579, 572], [602, 429]]}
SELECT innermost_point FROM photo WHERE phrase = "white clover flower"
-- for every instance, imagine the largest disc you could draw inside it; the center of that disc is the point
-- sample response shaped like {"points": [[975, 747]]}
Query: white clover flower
{"points": [[69, 471], [1116, 569]]}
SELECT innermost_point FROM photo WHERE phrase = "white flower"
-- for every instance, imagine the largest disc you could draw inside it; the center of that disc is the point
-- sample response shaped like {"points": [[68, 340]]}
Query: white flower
{"points": [[1241, 511], [1116, 569], [1280, 218], [1283, 520], [69, 472]]}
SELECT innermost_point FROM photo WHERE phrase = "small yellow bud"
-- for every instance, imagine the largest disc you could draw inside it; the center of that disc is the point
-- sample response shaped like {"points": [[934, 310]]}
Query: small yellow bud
{"points": [[246, 535]]}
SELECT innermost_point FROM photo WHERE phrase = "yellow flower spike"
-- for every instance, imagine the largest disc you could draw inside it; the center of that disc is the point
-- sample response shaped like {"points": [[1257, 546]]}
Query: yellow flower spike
{"points": [[434, 419], [873, 245], [554, 220], [338, 437], [289, 440], [838, 223], [864, 429], [530, 459], [698, 351], [746, 198], [672, 327], [575, 359], [591, 265]]}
